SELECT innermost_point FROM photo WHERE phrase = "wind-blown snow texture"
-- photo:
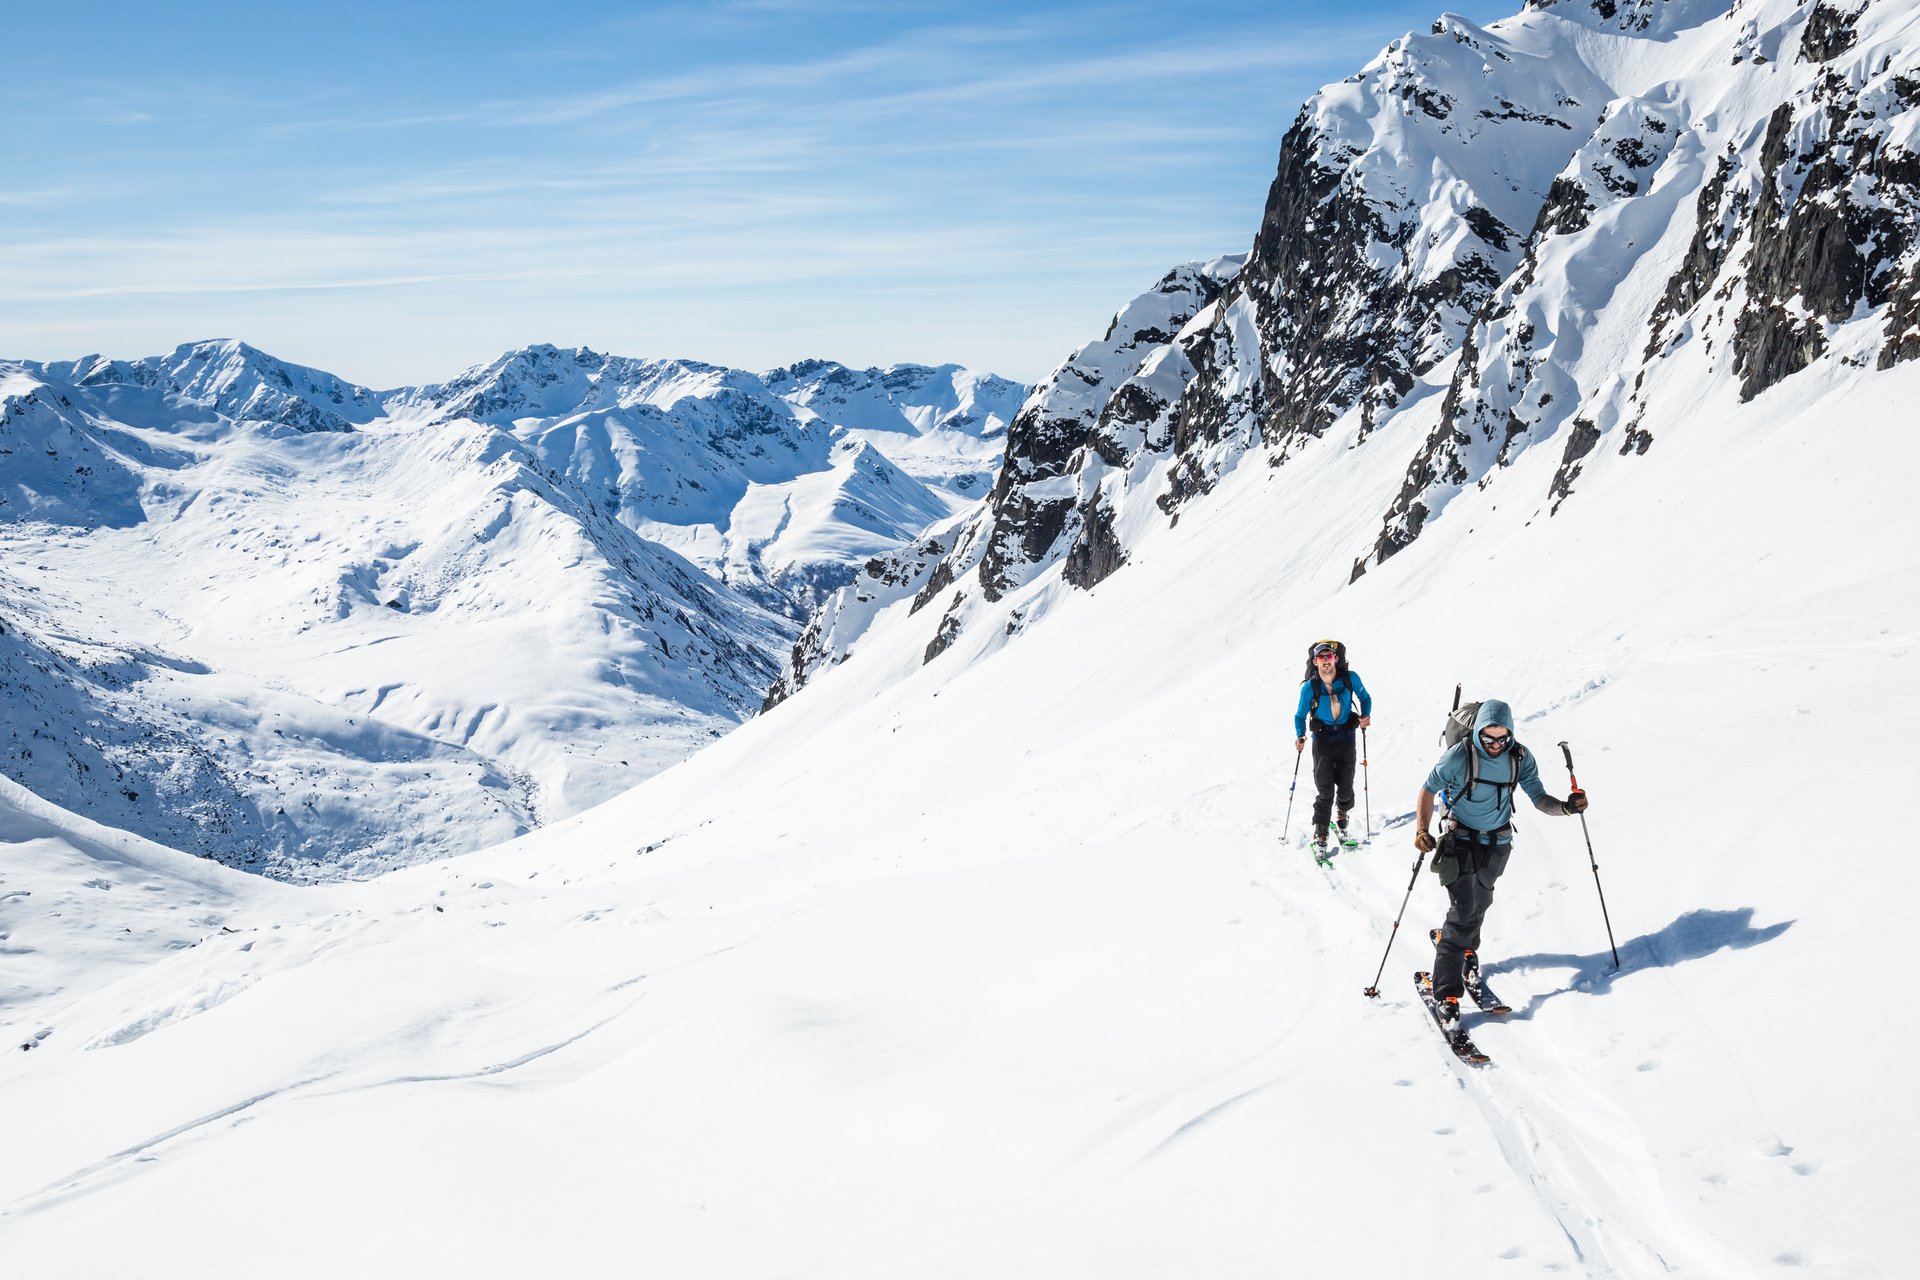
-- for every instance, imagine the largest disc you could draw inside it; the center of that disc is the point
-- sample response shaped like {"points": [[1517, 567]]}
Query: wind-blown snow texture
{"points": [[252, 611], [996, 964]]}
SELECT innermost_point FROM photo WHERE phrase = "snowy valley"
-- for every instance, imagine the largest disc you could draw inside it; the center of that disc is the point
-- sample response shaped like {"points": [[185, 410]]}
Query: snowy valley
{"points": [[1570, 362], [312, 629]]}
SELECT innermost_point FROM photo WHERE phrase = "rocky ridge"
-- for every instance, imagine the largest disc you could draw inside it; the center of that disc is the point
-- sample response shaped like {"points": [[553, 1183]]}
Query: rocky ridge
{"points": [[1447, 276]]}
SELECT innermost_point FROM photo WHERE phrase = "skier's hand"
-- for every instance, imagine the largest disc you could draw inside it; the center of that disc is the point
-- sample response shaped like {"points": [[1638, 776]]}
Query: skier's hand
{"points": [[1423, 840], [1366, 722], [1576, 802], [1299, 745]]}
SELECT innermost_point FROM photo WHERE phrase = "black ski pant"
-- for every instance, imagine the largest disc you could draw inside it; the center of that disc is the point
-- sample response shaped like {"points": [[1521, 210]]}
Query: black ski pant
{"points": [[1477, 865], [1334, 755]]}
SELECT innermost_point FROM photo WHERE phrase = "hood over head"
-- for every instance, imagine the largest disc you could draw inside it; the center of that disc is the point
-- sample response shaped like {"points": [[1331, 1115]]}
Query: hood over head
{"points": [[1492, 712]]}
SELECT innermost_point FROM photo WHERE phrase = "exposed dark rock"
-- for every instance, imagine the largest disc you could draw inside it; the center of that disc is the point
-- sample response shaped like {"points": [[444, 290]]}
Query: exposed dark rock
{"points": [[1567, 208], [1717, 219], [1097, 551], [1025, 530], [1489, 228], [1814, 238], [948, 630], [1580, 442], [1829, 31], [1092, 408]]}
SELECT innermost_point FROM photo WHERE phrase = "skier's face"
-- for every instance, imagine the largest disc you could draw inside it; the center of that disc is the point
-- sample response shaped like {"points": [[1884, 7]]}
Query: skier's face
{"points": [[1326, 662], [1494, 740]]}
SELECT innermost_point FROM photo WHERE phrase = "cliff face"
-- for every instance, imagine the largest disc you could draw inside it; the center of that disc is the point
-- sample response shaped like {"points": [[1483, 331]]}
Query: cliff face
{"points": [[1490, 241], [1097, 423]]}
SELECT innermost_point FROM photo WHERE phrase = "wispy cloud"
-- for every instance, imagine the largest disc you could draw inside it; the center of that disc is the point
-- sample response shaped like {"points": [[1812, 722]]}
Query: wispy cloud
{"points": [[773, 166], [40, 196]]}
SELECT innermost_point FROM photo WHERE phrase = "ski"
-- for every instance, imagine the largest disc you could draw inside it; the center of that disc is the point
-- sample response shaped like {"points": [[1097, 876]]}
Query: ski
{"points": [[1455, 1035], [1483, 994], [1323, 854], [1477, 986], [1342, 837]]}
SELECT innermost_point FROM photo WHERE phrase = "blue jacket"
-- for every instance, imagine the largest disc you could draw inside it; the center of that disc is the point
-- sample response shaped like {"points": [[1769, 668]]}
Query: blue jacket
{"points": [[1348, 688], [1491, 804]]}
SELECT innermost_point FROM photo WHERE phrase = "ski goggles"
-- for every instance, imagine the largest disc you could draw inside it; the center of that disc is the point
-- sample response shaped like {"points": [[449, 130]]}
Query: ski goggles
{"points": [[1494, 742]]}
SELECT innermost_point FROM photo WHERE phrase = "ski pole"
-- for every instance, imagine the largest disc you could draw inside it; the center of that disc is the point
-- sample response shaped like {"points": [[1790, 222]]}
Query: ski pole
{"points": [[1373, 992], [1366, 792], [1290, 786], [1590, 861]]}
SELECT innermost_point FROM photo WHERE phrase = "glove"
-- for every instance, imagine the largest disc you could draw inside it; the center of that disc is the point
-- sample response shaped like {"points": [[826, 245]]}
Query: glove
{"points": [[1576, 802], [1423, 841], [1299, 744]]}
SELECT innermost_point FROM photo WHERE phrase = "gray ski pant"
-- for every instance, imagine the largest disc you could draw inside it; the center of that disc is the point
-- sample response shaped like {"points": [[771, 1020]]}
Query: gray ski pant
{"points": [[1478, 864]]}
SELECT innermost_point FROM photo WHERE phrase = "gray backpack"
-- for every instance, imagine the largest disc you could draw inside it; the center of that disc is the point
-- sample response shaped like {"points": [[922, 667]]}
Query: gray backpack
{"points": [[1458, 729]]}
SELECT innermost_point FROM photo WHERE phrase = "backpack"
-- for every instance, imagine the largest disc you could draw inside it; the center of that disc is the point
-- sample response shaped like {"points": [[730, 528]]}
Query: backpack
{"points": [[1340, 682], [1458, 729]]}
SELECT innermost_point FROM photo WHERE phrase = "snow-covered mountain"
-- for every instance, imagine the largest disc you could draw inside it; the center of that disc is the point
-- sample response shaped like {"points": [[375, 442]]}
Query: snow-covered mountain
{"points": [[1501, 261], [253, 611], [755, 478], [984, 952]]}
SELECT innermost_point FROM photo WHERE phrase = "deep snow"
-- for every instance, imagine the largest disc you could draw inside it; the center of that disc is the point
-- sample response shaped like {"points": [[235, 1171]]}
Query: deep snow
{"points": [[1000, 965]]}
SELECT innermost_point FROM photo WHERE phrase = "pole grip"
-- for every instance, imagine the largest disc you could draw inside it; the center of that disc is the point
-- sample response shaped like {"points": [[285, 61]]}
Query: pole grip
{"points": [[1571, 777]]}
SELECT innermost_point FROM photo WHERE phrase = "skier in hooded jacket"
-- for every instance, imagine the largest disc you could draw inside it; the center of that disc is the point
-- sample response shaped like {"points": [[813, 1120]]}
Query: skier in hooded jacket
{"points": [[1479, 774]]}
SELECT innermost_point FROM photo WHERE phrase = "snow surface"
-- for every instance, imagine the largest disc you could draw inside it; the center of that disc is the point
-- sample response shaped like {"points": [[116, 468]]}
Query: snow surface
{"points": [[1000, 965], [317, 630]]}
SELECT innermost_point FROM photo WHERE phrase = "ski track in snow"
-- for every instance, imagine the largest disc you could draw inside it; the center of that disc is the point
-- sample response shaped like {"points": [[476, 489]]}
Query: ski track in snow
{"points": [[1587, 1169]]}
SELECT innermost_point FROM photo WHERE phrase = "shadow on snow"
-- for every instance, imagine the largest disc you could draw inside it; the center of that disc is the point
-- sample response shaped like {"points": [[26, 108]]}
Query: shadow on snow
{"points": [[1691, 937]]}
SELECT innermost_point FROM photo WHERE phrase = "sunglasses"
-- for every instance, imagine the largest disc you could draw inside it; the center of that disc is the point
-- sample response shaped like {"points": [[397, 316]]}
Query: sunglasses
{"points": [[1325, 656], [1494, 742]]}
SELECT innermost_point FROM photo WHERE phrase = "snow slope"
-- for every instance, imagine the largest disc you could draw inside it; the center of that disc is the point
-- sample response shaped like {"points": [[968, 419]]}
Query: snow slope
{"points": [[311, 629], [995, 961], [999, 964]]}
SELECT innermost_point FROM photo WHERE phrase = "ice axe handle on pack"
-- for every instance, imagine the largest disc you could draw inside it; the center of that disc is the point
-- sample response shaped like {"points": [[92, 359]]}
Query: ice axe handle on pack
{"points": [[1574, 781]]}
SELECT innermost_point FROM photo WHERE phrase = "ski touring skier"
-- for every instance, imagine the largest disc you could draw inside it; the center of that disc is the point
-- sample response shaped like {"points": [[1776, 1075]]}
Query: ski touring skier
{"points": [[1334, 703], [1479, 775]]}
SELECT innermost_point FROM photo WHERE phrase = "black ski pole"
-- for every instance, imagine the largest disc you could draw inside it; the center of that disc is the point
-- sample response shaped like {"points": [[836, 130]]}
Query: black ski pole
{"points": [[1590, 860], [1373, 992], [1366, 792], [1298, 752]]}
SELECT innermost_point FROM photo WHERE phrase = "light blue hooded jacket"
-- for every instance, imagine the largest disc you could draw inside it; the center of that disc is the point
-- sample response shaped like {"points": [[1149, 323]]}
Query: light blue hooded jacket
{"points": [[1491, 804]]}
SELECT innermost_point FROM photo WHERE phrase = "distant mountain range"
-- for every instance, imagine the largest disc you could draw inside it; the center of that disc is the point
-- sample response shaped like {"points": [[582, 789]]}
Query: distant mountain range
{"points": [[253, 610]]}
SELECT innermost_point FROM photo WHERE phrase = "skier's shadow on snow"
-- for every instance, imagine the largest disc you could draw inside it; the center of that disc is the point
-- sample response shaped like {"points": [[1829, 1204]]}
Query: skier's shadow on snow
{"points": [[1691, 937]]}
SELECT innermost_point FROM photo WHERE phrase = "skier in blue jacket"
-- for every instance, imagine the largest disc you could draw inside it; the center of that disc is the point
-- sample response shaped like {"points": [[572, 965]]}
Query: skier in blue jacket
{"points": [[1479, 775], [1327, 704]]}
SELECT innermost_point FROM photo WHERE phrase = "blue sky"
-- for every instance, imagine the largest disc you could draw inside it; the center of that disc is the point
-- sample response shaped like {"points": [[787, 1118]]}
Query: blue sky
{"points": [[393, 192]]}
